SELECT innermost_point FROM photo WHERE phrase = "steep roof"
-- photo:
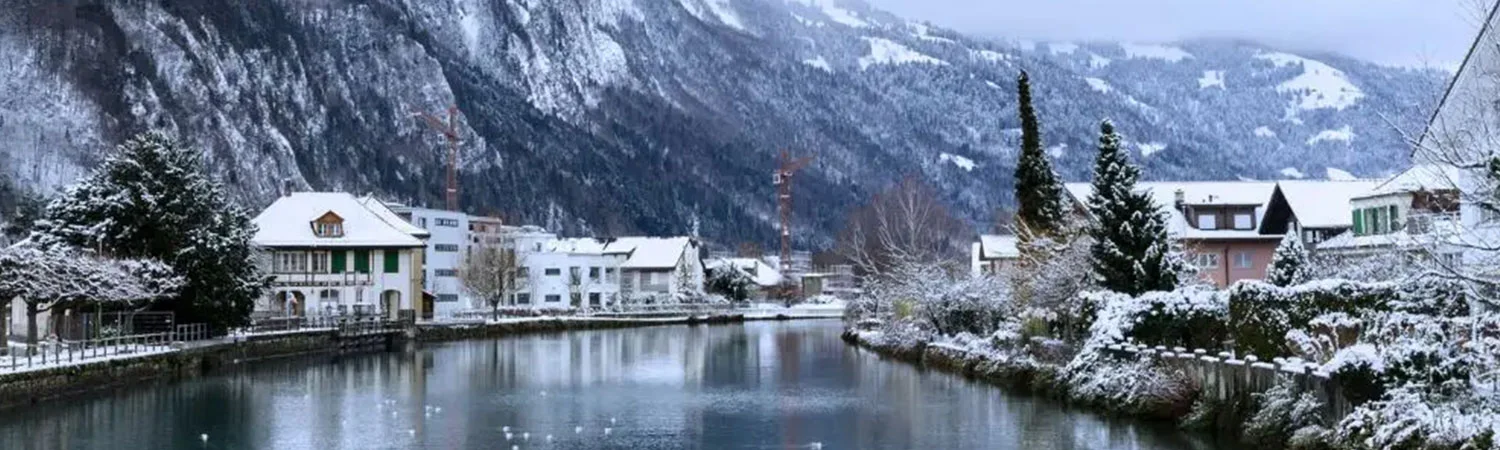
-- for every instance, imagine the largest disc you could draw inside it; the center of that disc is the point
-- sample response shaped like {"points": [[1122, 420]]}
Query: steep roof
{"points": [[367, 223], [1323, 203], [1420, 177], [998, 246], [1247, 193], [651, 252], [384, 212]]}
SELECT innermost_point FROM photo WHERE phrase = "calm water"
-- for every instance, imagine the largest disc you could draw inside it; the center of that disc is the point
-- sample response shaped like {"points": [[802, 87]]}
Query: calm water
{"points": [[758, 386]]}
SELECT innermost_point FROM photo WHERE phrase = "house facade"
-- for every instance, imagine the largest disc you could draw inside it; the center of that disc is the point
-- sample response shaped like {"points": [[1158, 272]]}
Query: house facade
{"points": [[1414, 211], [562, 273], [992, 254], [447, 243], [660, 267], [333, 254]]}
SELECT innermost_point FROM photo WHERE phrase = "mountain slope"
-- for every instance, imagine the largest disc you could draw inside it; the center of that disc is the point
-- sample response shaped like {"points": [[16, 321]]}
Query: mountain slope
{"points": [[616, 116]]}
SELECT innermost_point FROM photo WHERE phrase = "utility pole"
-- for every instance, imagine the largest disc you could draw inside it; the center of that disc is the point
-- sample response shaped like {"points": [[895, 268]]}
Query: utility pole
{"points": [[783, 181], [449, 131]]}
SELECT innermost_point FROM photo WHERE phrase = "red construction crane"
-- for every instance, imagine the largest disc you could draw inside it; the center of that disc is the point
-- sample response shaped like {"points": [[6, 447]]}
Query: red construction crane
{"points": [[783, 181], [450, 132]]}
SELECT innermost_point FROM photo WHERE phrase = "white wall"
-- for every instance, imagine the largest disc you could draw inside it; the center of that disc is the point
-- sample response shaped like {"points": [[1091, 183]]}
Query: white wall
{"points": [[352, 288], [447, 228], [539, 285]]}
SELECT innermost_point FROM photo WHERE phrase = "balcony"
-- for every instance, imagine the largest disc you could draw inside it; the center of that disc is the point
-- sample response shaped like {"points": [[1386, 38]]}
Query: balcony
{"points": [[323, 279]]}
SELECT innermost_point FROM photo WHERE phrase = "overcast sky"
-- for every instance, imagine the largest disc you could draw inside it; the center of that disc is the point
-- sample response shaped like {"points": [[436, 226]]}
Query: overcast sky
{"points": [[1401, 32]]}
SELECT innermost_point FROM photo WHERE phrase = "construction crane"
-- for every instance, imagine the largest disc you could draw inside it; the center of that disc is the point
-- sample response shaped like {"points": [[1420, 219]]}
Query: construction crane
{"points": [[783, 181], [449, 131]]}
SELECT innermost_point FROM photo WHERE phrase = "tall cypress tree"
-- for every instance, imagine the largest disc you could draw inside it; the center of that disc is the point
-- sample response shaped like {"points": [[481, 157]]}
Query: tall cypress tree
{"points": [[1290, 265], [151, 199], [1132, 252], [1038, 191]]}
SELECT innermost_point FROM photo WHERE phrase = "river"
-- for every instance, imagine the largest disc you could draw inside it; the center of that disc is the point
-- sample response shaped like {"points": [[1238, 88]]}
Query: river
{"points": [[761, 385]]}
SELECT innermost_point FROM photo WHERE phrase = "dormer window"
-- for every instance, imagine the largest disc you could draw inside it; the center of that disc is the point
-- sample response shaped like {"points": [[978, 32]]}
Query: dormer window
{"points": [[329, 225]]}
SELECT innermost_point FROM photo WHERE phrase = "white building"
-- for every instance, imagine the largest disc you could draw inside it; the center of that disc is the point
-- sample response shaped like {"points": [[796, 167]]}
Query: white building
{"points": [[992, 254], [586, 272], [330, 253]]}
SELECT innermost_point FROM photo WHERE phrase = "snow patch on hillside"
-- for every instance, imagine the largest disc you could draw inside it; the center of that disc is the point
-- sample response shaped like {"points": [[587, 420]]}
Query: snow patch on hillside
{"points": [[820, 63], [963, 163], [992, 84], [992, 56], [924, 32], [885, 51], [1059, 48], [1292, 172], [1319, 86], [1098, 62], [1336, 174], [1344, 134], [1211, 78], [836, 13], [725, 12], [1150, 148], [1099, 85], [1057, 151], [1153, 51], [1264, 131]]}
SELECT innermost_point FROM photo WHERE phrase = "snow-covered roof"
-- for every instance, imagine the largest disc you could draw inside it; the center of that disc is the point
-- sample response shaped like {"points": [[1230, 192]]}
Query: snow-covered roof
{"points": [[998, 246], [385, 212], [1442, 231], [1323, 203], [761, 273], [1421, 177], [1218, 193], [367, 223], [651, 252]]}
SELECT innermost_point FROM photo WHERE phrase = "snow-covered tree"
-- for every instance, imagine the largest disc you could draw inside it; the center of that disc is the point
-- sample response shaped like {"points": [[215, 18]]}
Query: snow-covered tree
{"points": [[904, 224], [1290, 265], [45, 279], [151, 199], [1039, 210], [731, 282], [1132, 252]]}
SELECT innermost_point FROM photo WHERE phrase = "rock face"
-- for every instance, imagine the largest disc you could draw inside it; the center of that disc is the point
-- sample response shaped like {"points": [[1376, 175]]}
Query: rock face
{"points": [[620, 116]]}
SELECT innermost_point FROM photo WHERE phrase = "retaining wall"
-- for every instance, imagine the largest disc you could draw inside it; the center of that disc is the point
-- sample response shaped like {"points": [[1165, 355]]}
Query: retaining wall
{"points": [[1224, 377]]}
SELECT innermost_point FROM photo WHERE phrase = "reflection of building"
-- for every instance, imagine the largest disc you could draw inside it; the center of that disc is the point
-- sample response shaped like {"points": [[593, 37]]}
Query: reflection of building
{"points": [[330, 253], [993, 254]]}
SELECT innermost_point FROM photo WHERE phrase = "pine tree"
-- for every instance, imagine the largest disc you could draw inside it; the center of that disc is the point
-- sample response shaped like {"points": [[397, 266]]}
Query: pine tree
{"points": [[1132, 252], [1038, 191], [151, 199], [1290, 265]]}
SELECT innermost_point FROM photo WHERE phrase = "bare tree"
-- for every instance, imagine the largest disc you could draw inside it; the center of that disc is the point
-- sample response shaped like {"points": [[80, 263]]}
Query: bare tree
{"points": [[906, 223], [489, 273]]}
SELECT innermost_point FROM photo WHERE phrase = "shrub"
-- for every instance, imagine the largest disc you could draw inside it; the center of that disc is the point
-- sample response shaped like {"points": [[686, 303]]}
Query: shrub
{"points": [[1261, 314]]}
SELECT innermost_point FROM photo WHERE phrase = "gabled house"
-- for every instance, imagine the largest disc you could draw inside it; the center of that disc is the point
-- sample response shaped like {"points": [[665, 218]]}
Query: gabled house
{"points": [[992, 254], [761, 274], [1416, 210], [331, 253], [1314, 209], [659, 267]]}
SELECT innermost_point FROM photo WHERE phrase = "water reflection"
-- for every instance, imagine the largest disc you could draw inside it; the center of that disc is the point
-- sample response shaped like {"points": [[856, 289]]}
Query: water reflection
{"points": [[757, 386]]}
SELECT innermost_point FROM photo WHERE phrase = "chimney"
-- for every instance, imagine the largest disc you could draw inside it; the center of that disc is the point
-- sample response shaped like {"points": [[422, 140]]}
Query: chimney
{"points": [[1179, 198]]}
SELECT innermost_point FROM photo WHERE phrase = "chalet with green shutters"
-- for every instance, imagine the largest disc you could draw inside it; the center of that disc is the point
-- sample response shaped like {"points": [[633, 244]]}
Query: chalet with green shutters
{"points": [[334, 254]]}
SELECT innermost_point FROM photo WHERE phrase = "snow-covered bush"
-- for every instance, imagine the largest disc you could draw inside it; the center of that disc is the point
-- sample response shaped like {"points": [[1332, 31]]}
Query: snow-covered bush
{"points": [[1290, 265], [1194, 317], [1281, 412], [937, 299], [1261, 314], [1324, 336], [1409, 418]]}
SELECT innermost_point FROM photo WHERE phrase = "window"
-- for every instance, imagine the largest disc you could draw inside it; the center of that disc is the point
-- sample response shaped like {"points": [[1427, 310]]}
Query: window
{"points": [[328, 230], [447, 248], [1359, 223], [446, 273], [523, 299], [1243, 260], [447, 298], [573, 275], [1207, 260], [554, 298], [339, 259], [1394, 216], [593, 299], [594, 274], [319, 262], [521, 272], [1207, 222], [609, 275], [445, 222], [552, 271], [1311, 236], [290, 262], [362, 261], [1243, 221], [1372, 226], [392, 261], [422, 222]]}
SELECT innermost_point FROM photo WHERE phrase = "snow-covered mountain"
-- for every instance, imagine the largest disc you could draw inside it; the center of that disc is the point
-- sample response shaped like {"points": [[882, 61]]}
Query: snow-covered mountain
{"points": [[619, 116]]}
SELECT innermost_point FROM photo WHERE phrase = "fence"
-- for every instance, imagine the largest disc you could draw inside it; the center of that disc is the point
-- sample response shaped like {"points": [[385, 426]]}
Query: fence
{"points": [[606, 310], [64, 352], [1224, 376]]}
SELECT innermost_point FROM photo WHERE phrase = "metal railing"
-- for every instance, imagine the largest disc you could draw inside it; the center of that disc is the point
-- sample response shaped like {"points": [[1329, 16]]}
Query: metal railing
{"points": [[58, 353]]}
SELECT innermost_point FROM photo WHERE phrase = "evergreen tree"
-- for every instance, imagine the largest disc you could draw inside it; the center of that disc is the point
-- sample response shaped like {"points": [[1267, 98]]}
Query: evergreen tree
{"points": [[151, 199], [1038, 191], [1132, 252], [1290, 265]]}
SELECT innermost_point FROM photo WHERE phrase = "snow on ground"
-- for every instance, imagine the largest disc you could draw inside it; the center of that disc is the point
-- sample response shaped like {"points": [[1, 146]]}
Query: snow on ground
{"points": [[1023, 44], [885, 51], [1292, 172], [1099, 85], [835, 13], [1058, 48], [1264, 131], [1152, 51], [1150, 148], [1344, 134], [992, 84], [992, 56], [1337, 174], [1098, 62], [820, 63], [963, 163], [924, 32], [1319, 86], [1211, 78]]}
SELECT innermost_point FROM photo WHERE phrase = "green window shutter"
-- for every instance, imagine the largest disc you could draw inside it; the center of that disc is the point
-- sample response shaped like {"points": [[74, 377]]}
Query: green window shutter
{"points": [[392, 260], [362, 261], [338, 261], [1359, 224]]}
